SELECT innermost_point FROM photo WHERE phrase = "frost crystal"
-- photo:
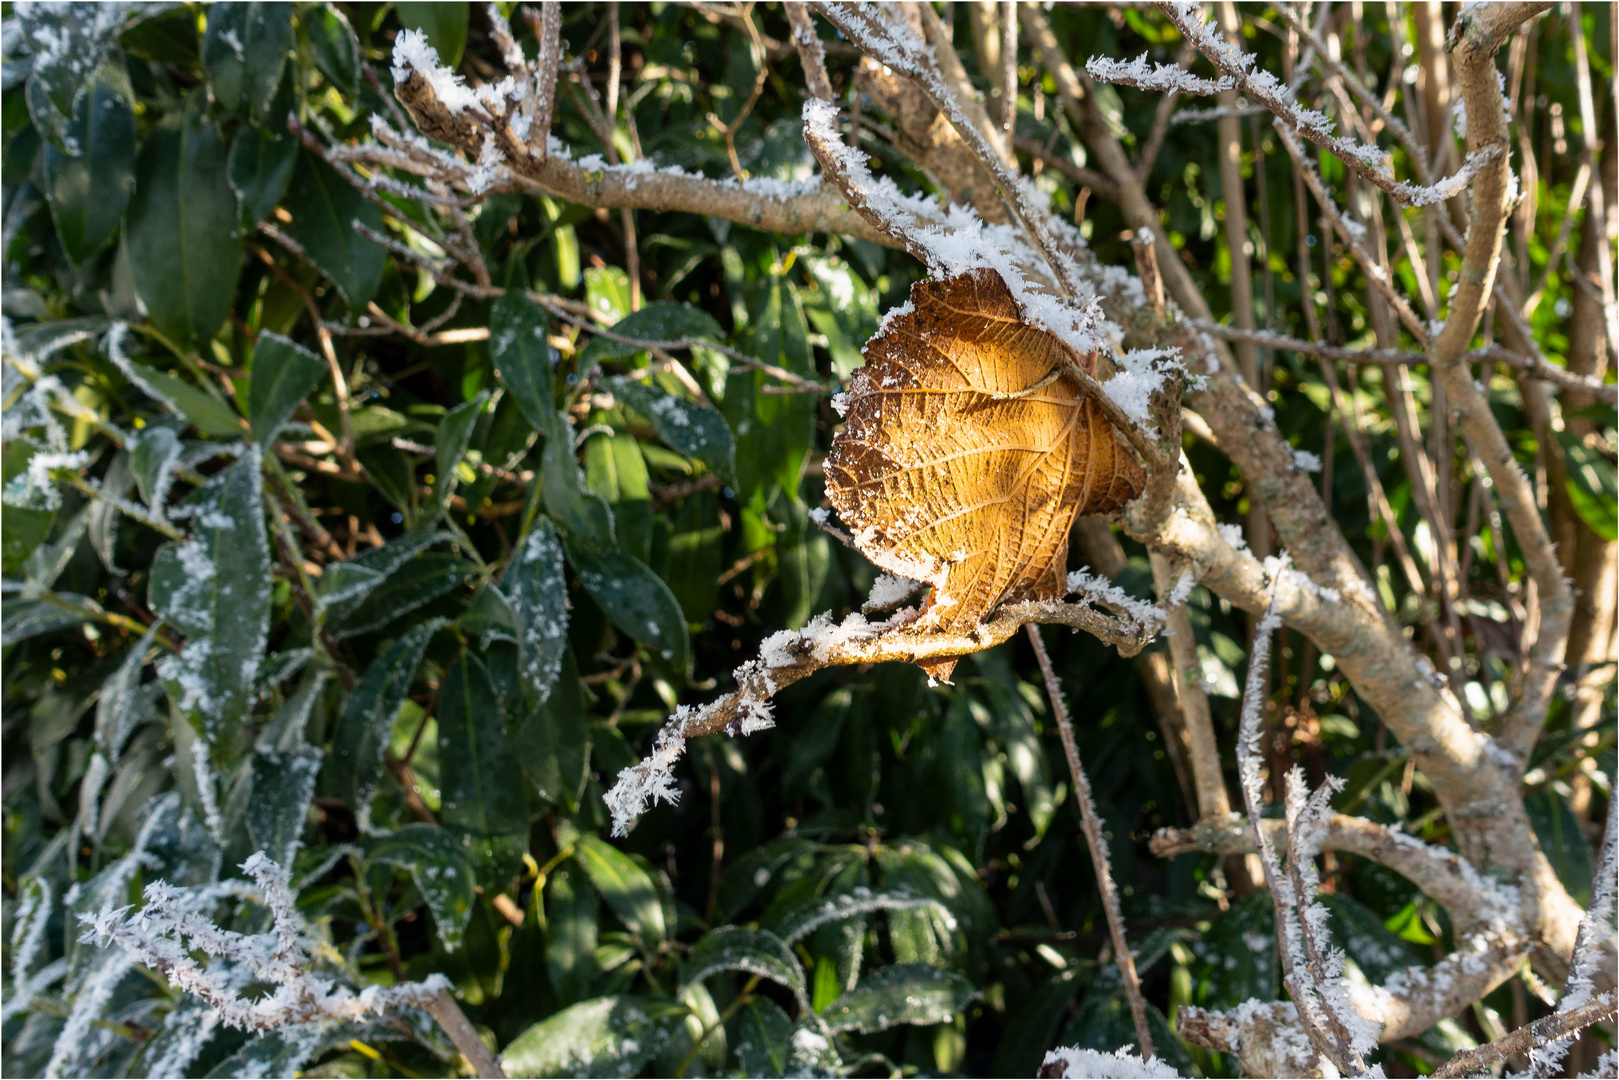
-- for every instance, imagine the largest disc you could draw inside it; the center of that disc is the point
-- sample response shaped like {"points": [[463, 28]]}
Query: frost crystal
{"points": [[1079, 1062]]}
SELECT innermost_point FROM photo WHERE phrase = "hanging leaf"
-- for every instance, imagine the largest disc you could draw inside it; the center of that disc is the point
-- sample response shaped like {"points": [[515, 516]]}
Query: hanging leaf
{"points": [[260, 168], [537, 593], [931, 468], [215, 589], [626, 887], [689, 427], [89, 190], [324, 208], [480, 783], [636, 599], [244, 50], [437, 862], [181, 229], [284, 373], [609, 1036], [367, 718], [450, 445], [900, 994]]}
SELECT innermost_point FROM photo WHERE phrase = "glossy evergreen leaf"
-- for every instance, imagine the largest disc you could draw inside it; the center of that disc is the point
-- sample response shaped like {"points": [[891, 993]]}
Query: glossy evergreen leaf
{"points": [[206, 412], [284, 373], [663, 321], [153, 454], [244, 50], [571, 913], [615, 469], [437, 861], [690, 427], [324, 208], [336, 49], [1563, 841], [756, 952], [553, 739], [89, 190], [626, 887], [283, 784], [214, 587], [181, 228], [608, 1036], [636, 599], [260, 168], [900, 994], [522, 357], [483, 800], [761, 1037], [416, 582], [68, 42], [445, 25], [361, 735], [450, 445], [536, 590], [352, 581]]}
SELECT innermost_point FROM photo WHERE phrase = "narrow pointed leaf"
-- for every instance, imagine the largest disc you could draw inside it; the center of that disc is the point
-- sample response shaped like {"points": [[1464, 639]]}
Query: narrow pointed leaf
{"points": [[284, 373], [367, 719], [636, 599], [626, 887], [437, 861], [480, 782], [901, 994]]}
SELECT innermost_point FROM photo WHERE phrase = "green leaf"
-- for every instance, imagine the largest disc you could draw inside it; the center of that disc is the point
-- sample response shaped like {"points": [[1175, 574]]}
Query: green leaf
{"points": [[665, 321], [450, 444], [695, 553], [522, 357], [284, 373], [901, 994], [244, 50], [616, 470], [608, 1036], [445, 25], [324, 208], [762, 1037], [88, 191], [1592, 486], [153, 453], [259, 169], [345, 585], [736, 948], [774, 432], [689, 427], [481, 784], [817, 911], [553, 740], [570, 935], [626, 887], [1563, 841], [607, 291], [23, 619], [1030, 1029], [336, 49], [367, 719], [1236, 958], [582, 516], [417, 582], [437, 861], [208, 414], [21, 531], [215, 589], [537, 593], [69, 42], [283, 784], [635, 598], [181, 234]]}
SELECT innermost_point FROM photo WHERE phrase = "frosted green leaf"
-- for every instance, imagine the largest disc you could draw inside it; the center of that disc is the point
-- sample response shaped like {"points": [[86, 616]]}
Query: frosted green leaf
{"points": [[367, 719], [901, 994], [690, 427], [537, 593], [438, 864], [284, 373], [636, 599], [736, 948], [608, 1036], [626, 887], [481, 784]]}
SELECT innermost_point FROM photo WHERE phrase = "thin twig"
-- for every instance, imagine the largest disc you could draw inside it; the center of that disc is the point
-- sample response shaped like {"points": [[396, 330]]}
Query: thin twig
{"points": [[1091, 823], [1546, 1029]]}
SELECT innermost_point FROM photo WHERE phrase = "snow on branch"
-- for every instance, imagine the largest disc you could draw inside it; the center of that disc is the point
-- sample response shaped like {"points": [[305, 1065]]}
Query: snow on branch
{"points": [[1168, 78], [1076, 1061], [172, 925]]}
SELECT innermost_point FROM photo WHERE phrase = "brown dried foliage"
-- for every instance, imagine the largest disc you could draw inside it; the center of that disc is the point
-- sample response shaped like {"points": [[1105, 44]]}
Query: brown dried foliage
{"points": [[968, 449]]}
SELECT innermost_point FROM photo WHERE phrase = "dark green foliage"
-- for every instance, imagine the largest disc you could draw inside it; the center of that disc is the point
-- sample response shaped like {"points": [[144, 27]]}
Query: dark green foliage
{"points": [[408, 669]]}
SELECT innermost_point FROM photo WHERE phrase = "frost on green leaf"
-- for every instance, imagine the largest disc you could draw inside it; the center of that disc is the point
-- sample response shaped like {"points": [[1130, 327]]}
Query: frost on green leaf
{"points": [[901, 994], [483, 800], [438, 864], [690, 427], [537, 593], [736, 948], [636, 599], [608, 1036], [361, 735], [284, 373], [215, 589]]}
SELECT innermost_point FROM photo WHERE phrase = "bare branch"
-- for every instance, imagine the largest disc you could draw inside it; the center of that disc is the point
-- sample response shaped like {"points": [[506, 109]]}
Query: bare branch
{"points": [[1559, 1025]]}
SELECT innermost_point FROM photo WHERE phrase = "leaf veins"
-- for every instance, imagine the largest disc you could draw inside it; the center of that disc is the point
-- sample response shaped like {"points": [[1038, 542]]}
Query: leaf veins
{"points": [[967, 451]]}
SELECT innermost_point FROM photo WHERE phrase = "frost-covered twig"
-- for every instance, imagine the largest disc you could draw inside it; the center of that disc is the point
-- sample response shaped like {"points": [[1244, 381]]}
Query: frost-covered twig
{"points": [[1299, 921], [1165, 78], [1593, 949], [172, 925], [1091, 823], [1077, 1061], [788, 656], [1559, 1027]]}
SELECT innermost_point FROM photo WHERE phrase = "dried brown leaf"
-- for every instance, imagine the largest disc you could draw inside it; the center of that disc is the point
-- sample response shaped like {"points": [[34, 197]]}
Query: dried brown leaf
{"points": [[943, 477]]}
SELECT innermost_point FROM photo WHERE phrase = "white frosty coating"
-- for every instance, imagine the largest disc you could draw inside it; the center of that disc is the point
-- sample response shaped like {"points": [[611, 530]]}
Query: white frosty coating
{"points": [[1451, 186], [1078, 1061], [1141, 373], [1596, 929], [652, 780], [89, 1005], [890, 591], [170, 926], [955, 241], [29, 921], [1607, 1067], [1169, 78], [1148, 618], [412, 52], [1305, 461]]}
